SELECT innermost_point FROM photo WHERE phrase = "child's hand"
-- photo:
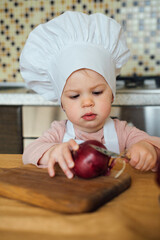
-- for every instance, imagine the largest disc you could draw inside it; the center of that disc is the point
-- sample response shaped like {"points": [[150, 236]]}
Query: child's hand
{"points": [[60, 154], [143, 156]]}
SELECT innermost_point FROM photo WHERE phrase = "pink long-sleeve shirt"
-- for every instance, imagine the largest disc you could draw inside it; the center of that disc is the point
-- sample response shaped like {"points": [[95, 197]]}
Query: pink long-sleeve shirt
{"points": [[127, 135]]}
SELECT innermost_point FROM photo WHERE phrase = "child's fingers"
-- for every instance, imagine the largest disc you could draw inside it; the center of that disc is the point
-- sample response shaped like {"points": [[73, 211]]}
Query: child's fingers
{"points": [[143, 156], [148, 164], [64, 167], [134, 160], [62, 164], [140, 165], [51, 164], [68, 158], [73, 145], [146, 167]]}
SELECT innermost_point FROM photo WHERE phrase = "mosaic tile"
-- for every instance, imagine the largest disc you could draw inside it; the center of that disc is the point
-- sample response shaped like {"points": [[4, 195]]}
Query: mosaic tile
{"points": [[139, 19]]}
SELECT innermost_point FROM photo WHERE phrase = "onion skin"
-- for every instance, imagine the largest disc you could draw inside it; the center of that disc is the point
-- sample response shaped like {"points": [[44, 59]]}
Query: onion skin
{"points": [[158, 174], [89, 163]]}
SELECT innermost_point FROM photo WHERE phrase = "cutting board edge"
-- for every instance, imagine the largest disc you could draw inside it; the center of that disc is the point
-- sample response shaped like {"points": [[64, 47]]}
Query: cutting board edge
{"points": [[112, 195], [93, 202], [7, 188]]}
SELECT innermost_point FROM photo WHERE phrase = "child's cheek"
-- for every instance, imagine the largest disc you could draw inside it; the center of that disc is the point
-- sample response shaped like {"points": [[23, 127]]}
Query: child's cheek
{"points": [[105, 105], [105, 109], [72, 111]]}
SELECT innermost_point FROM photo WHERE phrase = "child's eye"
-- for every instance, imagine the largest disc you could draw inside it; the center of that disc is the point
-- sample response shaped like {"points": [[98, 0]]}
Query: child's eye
{"points": [[97, 92], [74, 96]]}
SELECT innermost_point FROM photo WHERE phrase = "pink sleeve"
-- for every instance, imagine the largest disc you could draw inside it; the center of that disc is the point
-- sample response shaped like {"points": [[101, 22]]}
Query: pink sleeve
{"points": [[128, 135], [34, 151]]}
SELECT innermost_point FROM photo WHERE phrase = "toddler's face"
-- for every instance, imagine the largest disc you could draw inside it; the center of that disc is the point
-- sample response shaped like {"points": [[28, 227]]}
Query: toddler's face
{"points": [[87, 99]]}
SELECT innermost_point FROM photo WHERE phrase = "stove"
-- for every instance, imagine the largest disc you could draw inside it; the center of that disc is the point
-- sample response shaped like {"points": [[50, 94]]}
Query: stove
{"points": [[138, 84], [144, 117]]}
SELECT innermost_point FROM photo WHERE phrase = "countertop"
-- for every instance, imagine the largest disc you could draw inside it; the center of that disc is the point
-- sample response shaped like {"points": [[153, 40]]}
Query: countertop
{"points": [[134, 214], [147, 95]]}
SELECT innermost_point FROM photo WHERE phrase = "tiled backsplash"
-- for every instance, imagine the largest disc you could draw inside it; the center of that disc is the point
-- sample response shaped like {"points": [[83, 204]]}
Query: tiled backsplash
{"points": [[140, 20]]}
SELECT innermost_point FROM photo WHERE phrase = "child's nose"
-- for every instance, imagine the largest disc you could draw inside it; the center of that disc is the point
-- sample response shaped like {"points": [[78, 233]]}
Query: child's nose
{"points": [[87, 102]]}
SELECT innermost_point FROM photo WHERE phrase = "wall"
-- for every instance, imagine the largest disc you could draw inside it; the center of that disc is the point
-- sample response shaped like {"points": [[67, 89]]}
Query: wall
{"points": [[140, 21]]}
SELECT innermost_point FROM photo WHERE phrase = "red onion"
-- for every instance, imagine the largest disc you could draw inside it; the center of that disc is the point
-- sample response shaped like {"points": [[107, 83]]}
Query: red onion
{"points": [[90, 163], [158, 174]]}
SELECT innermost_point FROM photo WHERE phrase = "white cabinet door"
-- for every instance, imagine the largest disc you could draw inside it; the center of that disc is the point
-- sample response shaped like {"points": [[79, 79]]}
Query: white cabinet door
{"points": [[37, 119]]}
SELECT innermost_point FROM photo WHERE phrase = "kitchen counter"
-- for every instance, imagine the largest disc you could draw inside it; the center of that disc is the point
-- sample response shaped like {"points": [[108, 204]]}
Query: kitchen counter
{"points": [[22, 96], [134, 214], [32, 114], [140, 96]]}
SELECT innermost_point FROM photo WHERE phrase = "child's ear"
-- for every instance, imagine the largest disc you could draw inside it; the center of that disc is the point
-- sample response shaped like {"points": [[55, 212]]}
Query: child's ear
{"points": [[112, 99], [62, 107]]}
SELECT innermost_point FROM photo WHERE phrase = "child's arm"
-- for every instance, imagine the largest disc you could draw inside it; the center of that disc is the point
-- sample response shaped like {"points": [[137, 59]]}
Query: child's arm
{"points": [[137, 141], [35, 150], [61, 154], [143, 156]]}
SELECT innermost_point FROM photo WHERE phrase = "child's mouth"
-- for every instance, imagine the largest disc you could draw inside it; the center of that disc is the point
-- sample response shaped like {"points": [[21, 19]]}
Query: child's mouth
{"points": [[89, 116]]}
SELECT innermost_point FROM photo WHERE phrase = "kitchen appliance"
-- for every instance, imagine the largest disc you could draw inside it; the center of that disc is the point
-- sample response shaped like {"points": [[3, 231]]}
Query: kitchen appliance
{"points": [[140, 81], [145, 117]]}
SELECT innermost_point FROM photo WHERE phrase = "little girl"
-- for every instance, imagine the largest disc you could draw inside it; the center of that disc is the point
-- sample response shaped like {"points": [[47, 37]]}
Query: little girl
{"points": [[74, 60]]}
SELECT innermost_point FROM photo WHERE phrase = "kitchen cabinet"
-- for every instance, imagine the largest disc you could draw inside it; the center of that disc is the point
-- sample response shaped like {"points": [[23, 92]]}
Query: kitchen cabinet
{"points": [[146, 118], [20, 125], [37, 119], [11, 129]]}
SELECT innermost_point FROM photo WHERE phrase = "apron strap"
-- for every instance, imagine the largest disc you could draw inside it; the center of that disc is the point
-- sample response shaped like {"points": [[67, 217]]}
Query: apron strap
{"points": [[110, 135], [70, 133]]}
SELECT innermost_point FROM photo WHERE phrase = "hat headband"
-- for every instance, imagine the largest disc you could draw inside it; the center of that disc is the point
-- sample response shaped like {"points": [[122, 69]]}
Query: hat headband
{"points": [[76, 56]]}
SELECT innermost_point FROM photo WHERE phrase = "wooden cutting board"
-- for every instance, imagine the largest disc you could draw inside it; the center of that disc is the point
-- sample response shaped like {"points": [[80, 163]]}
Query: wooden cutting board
{"points": [[34, 186]]}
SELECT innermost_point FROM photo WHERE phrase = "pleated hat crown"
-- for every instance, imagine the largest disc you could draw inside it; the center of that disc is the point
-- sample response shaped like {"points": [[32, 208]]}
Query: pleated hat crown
{"points": [[72, 41]]}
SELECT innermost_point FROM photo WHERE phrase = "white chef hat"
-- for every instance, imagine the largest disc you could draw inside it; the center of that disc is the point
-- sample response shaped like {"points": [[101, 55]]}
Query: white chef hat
{"points": [[69, 42]]}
